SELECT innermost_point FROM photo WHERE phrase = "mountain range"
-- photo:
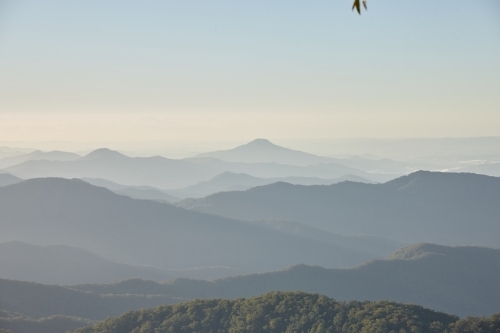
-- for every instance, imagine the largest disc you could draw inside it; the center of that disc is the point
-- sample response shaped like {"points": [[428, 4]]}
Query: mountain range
{"points": [[264, 151], [135, 192], [447, 208], [163, 173], [277, 170], [229, 181], [9, 151], [459, 280], [142, 232], [63, 264], [38, 155], [110, 165]]}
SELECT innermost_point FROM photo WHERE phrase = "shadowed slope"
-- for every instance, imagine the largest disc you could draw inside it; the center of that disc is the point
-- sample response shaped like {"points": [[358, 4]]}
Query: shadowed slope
{"points": [[72, 212], [454, 209], [8, 179], [458, 280]]}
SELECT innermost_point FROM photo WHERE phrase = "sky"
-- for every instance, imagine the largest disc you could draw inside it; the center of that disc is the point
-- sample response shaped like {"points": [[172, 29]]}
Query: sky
{"points": [[198, 73]]}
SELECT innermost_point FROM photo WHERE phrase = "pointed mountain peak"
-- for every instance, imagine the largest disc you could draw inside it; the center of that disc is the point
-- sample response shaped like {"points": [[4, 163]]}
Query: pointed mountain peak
{"points": [[103, 153], [260, 143], [264, 151]]}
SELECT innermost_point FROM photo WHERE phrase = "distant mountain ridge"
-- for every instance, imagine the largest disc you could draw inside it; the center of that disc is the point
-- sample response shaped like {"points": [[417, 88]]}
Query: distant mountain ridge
{"points": [[229, 181], [38, 155], [454, 209], [134, 192], [458, 280], [8, 179], [277, 170], [264, 151], [143, 232], [104, 163], [62, 264], [164, 173]]}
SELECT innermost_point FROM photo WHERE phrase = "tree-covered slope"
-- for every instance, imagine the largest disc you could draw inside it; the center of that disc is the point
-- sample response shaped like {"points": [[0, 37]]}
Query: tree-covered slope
{"points": [[445, 208], [290, 312]]}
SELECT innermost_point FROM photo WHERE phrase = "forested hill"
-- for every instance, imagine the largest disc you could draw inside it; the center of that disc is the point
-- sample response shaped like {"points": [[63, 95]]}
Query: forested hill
{"points": [[292, 312], [435, 207]]}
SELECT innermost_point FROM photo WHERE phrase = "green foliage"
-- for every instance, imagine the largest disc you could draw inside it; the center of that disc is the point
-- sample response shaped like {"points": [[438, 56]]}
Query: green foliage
{"points": [[477, 325], [292, 312]]}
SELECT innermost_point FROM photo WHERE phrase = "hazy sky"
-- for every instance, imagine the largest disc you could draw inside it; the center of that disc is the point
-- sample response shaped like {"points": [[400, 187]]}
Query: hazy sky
{"points": [[194, 71]]}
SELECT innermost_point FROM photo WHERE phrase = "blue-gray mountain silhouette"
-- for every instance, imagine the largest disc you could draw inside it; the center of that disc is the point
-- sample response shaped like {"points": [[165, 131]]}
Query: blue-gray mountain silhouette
{"points": [[8, 179], [229, 181], [447, 208], [144, 232]]}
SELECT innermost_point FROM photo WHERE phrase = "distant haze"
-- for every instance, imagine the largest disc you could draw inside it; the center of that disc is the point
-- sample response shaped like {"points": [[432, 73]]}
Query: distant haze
{"points": [[184, 73]]}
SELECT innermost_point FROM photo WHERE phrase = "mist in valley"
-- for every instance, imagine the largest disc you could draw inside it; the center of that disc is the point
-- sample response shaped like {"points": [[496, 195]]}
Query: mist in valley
{"points": [[249, 167]]}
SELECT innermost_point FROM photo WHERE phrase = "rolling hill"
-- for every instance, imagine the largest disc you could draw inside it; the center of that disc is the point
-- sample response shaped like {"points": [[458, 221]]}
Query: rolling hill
{"points": [[36, 156], [134, 192], [229, 181], [448, 208], [277, 170], [103, 163], [284, 312], [163, 173], [144, 232], [8, 179], [62, 264], [28, 299], [457, 280]]}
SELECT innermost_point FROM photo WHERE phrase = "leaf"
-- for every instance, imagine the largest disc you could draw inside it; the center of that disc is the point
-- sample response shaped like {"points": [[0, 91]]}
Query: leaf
{"points": [[357, 5]]}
